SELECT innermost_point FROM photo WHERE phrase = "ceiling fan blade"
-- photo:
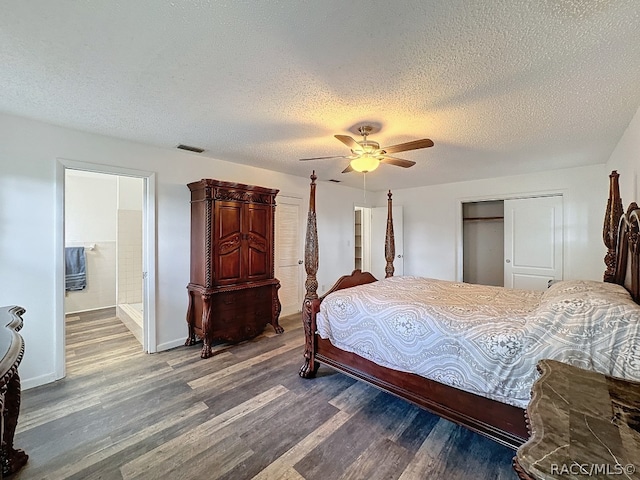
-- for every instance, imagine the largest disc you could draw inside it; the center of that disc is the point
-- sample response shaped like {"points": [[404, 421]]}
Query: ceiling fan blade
{"points": [[348, 141], [397, 161], [414, 145], [322, 158], [348, 169]]}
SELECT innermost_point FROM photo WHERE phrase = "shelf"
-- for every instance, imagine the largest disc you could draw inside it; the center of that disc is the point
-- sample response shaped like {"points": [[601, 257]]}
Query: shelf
{"points": [[480, 219]]}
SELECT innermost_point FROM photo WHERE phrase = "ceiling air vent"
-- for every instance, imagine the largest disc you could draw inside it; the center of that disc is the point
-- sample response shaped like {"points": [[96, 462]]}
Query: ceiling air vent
{"points": [[190, 149], [334, 180]]}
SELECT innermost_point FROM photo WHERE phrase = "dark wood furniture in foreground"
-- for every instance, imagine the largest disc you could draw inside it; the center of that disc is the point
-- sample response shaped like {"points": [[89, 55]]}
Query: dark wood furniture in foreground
{"points": [[11, 351], [233, 293], [500, 422], [583, 424]]}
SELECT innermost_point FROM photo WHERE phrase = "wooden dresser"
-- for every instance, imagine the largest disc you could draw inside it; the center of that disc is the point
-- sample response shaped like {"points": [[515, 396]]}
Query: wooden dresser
{"points": [[232, 291], [11, 352]]}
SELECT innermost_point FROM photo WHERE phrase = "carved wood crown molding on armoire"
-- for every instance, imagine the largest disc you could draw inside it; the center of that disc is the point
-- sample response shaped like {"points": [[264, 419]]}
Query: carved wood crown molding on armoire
{"points": [[233, 293]]}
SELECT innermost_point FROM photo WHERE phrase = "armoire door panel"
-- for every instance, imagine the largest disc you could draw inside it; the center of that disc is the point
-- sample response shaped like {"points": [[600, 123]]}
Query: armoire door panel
{"points": [[229, 219], [259, 217], [229, 267], [257, 265], [259, 227], [258, 243]]}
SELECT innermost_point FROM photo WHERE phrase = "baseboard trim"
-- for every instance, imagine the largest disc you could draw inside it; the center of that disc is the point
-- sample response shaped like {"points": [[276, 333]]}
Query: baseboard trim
{"points": [[90, 310], [26, 384], [169, 345]]}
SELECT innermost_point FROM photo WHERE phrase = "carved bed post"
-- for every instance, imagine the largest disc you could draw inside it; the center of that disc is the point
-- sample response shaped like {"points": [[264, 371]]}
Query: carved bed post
{"points": [[610, 228], [389, 241], [310, 367], [633, 236]]}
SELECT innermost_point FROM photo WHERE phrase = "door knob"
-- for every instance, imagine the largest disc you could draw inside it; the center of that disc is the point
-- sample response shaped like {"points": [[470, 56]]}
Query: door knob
{"points": [[508, 261], [399, 256], [299, 262]]}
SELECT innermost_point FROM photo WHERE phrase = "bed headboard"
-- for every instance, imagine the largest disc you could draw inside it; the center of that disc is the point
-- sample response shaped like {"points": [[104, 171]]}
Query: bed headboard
{"points": [[621, 235]]}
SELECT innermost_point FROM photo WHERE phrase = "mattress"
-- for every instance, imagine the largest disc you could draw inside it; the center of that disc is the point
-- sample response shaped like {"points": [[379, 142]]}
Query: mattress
{"points": [[482, 339]]}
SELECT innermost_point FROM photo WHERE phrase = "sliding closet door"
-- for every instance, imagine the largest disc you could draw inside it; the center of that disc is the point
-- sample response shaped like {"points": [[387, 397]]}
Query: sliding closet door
{"points": [[532, 242]]}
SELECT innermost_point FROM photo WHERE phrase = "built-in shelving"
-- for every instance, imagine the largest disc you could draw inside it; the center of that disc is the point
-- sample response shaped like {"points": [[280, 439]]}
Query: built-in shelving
{"points": [[358, 240], [480, 219]]}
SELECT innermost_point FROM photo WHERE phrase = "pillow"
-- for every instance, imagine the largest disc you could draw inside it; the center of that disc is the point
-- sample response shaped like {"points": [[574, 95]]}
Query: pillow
{"points": [[571, 288]]}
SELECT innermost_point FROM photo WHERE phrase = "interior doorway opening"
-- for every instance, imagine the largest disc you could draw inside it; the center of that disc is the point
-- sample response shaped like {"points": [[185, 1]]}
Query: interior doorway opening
{"points": [[103, 231]]}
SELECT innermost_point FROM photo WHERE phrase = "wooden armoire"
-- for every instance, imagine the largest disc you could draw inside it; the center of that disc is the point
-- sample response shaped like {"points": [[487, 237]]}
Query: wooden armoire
{"points": [[232, 290]]}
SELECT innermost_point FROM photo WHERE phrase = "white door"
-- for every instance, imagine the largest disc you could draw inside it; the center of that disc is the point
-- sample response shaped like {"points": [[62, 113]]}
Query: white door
{"points": [[532, 242], [378, 234], [288, 254]]}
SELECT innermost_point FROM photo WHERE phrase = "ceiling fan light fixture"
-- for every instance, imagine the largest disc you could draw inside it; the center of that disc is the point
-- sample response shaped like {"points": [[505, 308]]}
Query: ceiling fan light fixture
{"points": [[366, 163], [366, 155]]}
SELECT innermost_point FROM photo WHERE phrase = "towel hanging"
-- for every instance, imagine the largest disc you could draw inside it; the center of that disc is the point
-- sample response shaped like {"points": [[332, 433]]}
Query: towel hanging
{"points": [[75, 268]]}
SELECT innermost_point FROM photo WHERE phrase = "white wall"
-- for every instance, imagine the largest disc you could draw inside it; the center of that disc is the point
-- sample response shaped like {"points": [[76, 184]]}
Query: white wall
{"points": [[626, 160], [90, 210], [432, 219], [28, 224]]}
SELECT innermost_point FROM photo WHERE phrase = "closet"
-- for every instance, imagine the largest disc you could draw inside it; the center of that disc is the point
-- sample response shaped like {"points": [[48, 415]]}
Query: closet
{"points": [[483, 238], [233, 293], [515, 242]]}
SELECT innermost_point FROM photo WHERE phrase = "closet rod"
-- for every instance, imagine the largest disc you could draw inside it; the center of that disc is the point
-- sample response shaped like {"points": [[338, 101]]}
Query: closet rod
{"points": [[483, 218]]}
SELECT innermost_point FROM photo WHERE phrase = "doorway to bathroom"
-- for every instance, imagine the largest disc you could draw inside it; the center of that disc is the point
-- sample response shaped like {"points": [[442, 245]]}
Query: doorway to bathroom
{"points": [[107, 215], [103, 228]]}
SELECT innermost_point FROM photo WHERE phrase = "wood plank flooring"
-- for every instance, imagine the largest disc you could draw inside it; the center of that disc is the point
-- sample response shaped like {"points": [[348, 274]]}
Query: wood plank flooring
{"points": [[243, 414]]}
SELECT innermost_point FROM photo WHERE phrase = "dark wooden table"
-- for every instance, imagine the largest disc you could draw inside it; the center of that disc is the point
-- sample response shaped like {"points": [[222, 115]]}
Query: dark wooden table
{"points": [[11, 351], [583, 425]]}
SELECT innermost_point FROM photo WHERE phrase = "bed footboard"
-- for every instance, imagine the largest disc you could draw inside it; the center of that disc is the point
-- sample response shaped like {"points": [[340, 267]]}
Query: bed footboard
{"points": [[311, 308]]}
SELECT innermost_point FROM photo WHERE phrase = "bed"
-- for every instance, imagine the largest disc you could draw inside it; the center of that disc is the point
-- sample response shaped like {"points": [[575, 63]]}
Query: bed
{"points": [[466, 352]]}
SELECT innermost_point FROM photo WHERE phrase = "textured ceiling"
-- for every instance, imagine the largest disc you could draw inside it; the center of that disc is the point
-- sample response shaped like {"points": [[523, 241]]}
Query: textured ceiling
{"points": [[501, 87]]}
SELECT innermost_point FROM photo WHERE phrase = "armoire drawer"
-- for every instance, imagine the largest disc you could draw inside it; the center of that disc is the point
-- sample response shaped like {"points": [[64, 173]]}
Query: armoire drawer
{"points": [[255, 295], [240, 324], [241, 299]]}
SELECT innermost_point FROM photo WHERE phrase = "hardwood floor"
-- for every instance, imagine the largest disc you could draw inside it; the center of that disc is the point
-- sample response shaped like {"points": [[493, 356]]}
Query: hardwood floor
{"points": [[245, 413]]}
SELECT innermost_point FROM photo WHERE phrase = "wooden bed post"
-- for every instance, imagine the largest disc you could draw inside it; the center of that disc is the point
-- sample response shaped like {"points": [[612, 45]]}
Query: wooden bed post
{"points": [[310, 367], [610, 229], [389, 241], [634, 245]]}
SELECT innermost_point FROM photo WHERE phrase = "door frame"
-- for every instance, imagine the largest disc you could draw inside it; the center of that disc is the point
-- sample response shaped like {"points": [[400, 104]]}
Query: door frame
{"points": [[459, 257], [148, 253]]}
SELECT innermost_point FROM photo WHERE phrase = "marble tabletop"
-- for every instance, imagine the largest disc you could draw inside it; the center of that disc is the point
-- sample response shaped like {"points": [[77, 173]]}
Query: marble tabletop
{"points": [[583, 425]]}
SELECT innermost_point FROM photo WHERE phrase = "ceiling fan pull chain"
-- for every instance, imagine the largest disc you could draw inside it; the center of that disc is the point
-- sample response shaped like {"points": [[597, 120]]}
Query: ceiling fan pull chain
{"points": [[364, 187]]}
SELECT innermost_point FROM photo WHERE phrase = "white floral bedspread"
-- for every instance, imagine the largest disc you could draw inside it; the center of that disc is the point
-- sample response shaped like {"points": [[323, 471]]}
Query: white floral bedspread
{"points": [[485, 340]]}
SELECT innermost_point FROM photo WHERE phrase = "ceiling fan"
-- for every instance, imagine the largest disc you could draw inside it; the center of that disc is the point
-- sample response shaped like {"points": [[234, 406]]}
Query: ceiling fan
{"points": [[366, 155]]}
